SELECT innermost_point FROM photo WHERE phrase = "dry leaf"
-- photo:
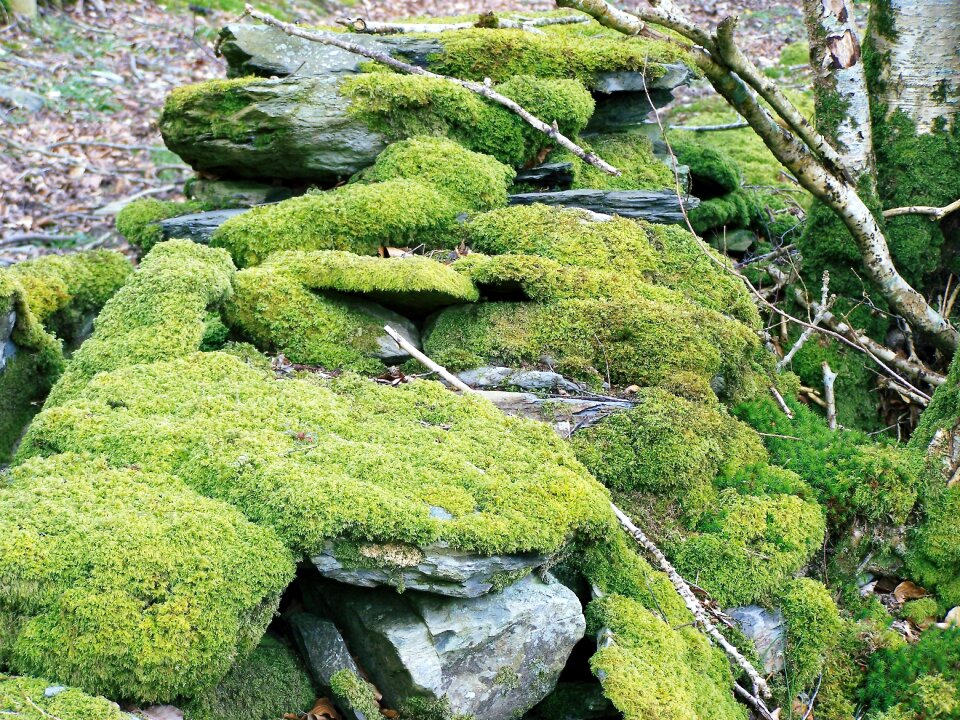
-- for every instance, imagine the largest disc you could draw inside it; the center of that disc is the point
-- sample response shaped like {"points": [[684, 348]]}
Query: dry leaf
{"points": [[908, 591], [323, 710]]}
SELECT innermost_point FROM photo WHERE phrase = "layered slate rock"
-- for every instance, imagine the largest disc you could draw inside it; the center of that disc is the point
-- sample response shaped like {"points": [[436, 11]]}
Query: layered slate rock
{"points": [[658, 206], [198, 227], [492, 657], [437, 569]]}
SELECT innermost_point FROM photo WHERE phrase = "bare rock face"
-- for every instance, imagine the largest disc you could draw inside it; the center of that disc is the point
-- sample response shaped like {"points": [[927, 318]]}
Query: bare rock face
{"points": [[435, 568], [765, 628], [492, 657]]}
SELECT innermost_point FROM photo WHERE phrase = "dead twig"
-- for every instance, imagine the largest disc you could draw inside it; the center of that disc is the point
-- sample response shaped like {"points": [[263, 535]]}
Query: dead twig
{"points": [[935, 213], [427, 362], [482, 89], [712, 128], [781, 402], [829, 376], [826, 302]]}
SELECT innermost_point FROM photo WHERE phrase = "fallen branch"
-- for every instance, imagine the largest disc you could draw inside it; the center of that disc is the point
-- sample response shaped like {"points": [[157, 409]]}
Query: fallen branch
{"points": [[427, 362], [828, 378], [781, 402], [31, 237], [826, 303], [695, 607], [935, 213], [360, 25], [712, 128], [904, 392], [479, 88], [111, 145]]}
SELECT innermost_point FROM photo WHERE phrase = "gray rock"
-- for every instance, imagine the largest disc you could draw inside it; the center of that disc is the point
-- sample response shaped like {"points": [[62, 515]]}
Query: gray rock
{"points": [[493, 657], [289, 129], [268, 52], [8, 319], [435, 568], [673, 76], [236, 193], [557, 174], [531, 380], [618, 112], [196, 226], [565, 414], [765, 628], [54, 690], [22, 99], [659, 206], [387, 349]]}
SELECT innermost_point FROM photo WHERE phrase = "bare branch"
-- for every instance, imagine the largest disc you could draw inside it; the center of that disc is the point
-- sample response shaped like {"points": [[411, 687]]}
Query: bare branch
{"points": [[781, 402], [712, 128], [935, 213], [826, 303], [360, 25], [427, 362], [476, 87], [828, 378]]}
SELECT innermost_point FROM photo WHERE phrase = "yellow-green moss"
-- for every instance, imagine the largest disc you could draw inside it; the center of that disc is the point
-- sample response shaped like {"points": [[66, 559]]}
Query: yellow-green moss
{"points": [[126, 582], [505, 53], [318, 460], [473, 180], [401, 106], [24, 698], [812, 628], [268, 684], [651, 670], [750, 545], [160, 313], [138, 222], [631, 153], [921, 611], [357, 217], [355, 693]]}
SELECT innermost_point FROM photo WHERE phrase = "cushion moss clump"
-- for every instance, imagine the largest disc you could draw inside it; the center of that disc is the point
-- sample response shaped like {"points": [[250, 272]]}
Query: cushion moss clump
{"points": [[355, 694], [812, 628], [402, 106], [712, 171], [139, 221], [25, 698], [127, 583], [500, 54], [267, 685], [631, 153], [750, 545], [476, 181], [161, 312], [319, 460]]}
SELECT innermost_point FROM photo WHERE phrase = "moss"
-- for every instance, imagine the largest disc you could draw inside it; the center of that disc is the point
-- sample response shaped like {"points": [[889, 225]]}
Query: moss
{"points": [[138, 221], [355, 693], [424, 709], [750, 545], [933, 556], [922, 611], [651, 670], [639, 334], [320, 460], [796, 53], [477, 182], [147, 610], [217, 100], [505, 53], [401, 106], [630, 152], [667, 445], [812, 629], [358, 218], [661, 254], [927, 698], [25, 699], [269, 683], [727, 212], [159, 313], [854, 475], [712, 171], [412, 283]]}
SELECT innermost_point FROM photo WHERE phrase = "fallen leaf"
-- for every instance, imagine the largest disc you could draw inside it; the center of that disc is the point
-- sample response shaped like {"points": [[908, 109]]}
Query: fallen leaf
{"points": [[908, 591], [323, 710]]}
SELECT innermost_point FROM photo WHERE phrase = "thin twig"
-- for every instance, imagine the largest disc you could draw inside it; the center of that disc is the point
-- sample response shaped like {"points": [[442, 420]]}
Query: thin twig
{"points": [[482, 89], [360, 25], [427, 362], [826, 302], [712, 128], [829, 376], [935, 213], [781, 402]]}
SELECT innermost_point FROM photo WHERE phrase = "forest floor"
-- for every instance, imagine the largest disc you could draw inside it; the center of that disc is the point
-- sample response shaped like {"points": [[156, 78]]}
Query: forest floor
{"points": [[81, 92]]}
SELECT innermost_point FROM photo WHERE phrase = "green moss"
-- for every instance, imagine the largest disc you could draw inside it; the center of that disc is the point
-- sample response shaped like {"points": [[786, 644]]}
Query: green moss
{"points": [[933, 556], [927, 698], [413, 283], [218, 101], [650, 670], [269, 683], [25, 699], [401, 106], [128, 583], [921, 611], [796, 53], [750, 545], [355, 693], [424, 709], [348, 459], [358, 218], [160, 313], [667, 445], [477, 182], [813, 628], [727, 212], [138, 221], [503, 54], [853, 474], [631, 153], [712, 171]]}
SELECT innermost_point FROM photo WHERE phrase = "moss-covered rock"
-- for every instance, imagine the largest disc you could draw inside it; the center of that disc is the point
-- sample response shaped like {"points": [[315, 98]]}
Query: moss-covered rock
{"points": [[25, 698], [127, 583], [750, 545], [474, 181], [160, 313], [356, 694], [399, 106], [631, 153], [350, 459], [813, 628], [268, 684], [712, 171], [138, 221]]}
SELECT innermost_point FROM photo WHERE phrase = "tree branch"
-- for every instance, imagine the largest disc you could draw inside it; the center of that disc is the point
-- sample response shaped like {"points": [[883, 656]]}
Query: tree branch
{"points": [[828, 378], [360, 25], [826, 302], [935, 213], [476, 87]]}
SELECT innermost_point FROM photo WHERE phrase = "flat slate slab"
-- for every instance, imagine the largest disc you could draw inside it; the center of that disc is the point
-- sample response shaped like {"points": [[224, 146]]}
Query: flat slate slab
{"points": [[658, 206]]}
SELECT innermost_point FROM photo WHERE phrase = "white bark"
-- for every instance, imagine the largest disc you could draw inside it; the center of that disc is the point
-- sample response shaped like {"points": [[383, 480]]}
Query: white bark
{"points": [[922, 74]]}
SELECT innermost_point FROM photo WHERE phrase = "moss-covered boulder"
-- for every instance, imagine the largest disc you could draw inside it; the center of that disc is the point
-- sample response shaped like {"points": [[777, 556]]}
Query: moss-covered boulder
{"points": [[139, 221], [34, 699], [127, 583], [268, 684], [325, 129]]}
